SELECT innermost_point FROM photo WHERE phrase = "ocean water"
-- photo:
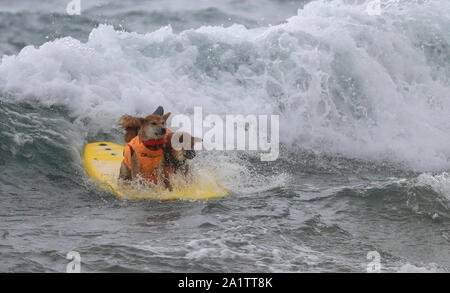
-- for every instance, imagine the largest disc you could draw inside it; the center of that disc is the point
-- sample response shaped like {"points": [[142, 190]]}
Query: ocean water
{"points": [[364, 111]]}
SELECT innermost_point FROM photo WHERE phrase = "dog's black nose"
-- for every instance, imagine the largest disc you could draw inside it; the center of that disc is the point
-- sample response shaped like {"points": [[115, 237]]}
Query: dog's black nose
{"points": [[163, 131]]}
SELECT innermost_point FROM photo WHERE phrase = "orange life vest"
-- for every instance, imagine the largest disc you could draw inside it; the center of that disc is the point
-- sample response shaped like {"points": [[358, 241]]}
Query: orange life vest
{"points": [[149, 157]]}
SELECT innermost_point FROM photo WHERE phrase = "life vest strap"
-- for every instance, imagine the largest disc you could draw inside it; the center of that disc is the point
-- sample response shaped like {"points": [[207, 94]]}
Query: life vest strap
{"points": [[131, 149]]}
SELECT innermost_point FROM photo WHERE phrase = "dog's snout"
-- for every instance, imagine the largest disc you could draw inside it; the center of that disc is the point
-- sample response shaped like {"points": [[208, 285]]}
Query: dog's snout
{"points": [[163, 130]]}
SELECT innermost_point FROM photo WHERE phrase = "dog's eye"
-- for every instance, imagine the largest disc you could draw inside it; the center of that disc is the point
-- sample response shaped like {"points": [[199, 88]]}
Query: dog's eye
{"points": [[153, 123]]}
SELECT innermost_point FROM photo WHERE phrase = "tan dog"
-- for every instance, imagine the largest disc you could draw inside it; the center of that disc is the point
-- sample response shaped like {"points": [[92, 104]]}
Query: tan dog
{"points": [[179, 149], [154, 152], [143, 153]]}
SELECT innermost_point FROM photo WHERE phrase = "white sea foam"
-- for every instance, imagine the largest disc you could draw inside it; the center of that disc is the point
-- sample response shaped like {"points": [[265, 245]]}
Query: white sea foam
{"points": [[410, 268], [371, 87], [239, 177], [439, 182]]}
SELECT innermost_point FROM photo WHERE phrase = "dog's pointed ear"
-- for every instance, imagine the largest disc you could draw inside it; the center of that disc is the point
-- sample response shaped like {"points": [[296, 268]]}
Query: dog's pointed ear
{"points": [[127, 121], [165, 116], [159, 111]]}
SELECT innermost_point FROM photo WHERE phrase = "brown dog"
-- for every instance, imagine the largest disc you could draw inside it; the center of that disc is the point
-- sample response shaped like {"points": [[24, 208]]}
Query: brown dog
{"points": [[143, 153], [132, 124], [153, 151], [179, 149]]}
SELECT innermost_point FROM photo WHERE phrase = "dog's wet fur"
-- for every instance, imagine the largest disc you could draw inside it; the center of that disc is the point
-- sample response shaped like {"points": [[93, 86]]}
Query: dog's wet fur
{"points": [[180, 146]]}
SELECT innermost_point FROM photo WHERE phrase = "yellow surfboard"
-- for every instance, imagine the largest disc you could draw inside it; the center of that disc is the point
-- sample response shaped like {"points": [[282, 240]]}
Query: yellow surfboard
{"points": [[102, 162]]}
